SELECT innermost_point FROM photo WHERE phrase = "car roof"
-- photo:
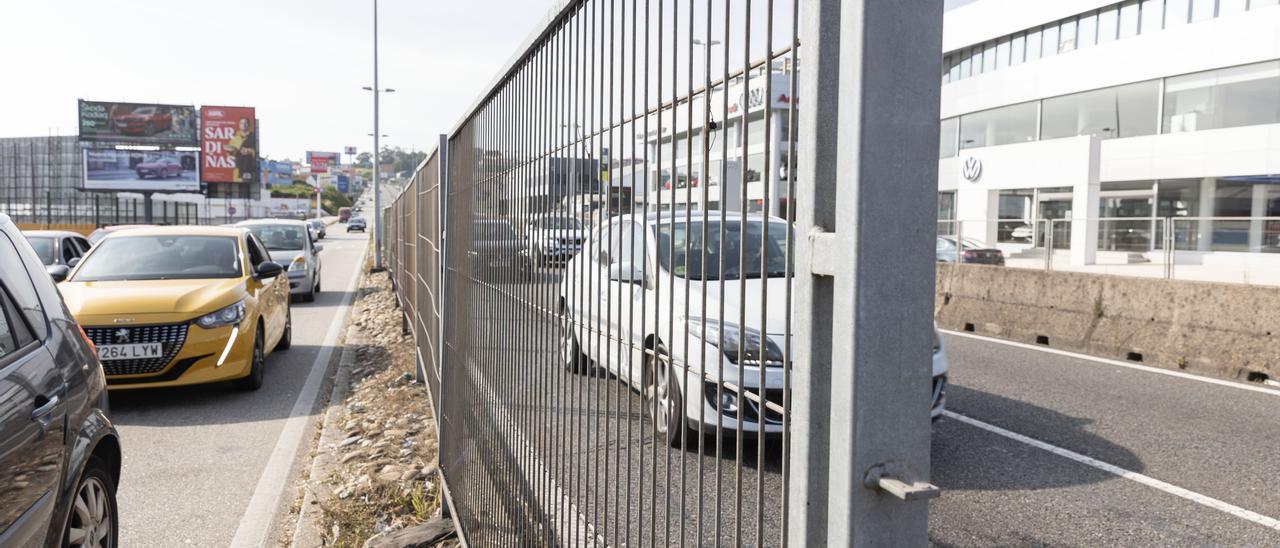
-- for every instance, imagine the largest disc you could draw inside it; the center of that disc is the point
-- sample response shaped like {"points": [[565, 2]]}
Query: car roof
{"points": [[184, 230], [51, 234]]}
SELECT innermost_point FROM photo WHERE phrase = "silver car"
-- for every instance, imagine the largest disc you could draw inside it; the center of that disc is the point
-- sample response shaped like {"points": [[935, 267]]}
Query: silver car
{"points": [[291, 244]]}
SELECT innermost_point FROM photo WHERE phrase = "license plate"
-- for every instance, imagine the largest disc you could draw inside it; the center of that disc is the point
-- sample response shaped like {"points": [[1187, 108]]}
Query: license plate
{"points": [[130, 351]]}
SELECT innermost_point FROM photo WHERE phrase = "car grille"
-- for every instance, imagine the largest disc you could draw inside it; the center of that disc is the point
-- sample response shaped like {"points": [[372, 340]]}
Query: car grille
{"points": [[171, 337]]}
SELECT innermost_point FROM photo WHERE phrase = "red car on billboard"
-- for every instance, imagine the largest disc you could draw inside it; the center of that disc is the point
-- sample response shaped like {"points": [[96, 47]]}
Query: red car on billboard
{"points": [[145, 120]]}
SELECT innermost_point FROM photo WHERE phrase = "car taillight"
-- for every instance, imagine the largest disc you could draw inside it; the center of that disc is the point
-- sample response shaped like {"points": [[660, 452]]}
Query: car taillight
{"points": [[87, 340], [970, 254]]}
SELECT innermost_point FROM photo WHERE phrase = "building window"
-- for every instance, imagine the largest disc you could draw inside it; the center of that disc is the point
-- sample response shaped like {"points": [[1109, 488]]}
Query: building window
{"points": [[1128, 22], [1176, 12], [1231, 7], [1122, 111], [1018, 47], [1050, 47], [1108, 24], [1259, 4], [1152, 14], [1002, 53], [1033, 44], [989, 57], [1087, 31], [1001, 126], [947, 140], [966, 64], [1223, 98], [1202, 10], [1067, 36]]}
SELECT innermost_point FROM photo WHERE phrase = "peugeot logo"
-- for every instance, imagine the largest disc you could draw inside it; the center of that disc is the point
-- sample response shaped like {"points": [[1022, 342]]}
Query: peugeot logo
{"points": [[122, 336], [972, 169]]}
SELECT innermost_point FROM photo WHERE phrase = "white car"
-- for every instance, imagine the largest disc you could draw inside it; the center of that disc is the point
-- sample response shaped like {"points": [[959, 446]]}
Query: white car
{"points": [[554, 238], [635, 272], [293, 245]]}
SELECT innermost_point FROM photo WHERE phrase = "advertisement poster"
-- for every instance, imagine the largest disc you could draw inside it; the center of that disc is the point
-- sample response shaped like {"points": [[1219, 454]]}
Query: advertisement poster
{"points": [[133, 170], [350, 150], [321, 161], [137, 123], [277, 173], [229, 142], [319, 165]]}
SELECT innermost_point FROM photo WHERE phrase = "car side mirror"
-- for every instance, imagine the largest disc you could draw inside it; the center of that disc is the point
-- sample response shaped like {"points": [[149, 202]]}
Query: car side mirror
{"points": [[59, 272], [268, 269], [626, 273], [317, 249], [73, 262]]}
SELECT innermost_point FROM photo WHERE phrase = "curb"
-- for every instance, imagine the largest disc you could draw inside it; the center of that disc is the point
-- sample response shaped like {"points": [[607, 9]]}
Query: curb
{"points": [[306, 533]]}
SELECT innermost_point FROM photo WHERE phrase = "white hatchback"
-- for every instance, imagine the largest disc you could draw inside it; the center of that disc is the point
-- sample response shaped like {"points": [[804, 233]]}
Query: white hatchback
{"points": [[645, 299]]}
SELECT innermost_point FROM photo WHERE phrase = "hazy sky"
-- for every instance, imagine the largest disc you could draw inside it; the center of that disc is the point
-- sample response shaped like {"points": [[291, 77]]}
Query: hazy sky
{"points": [[301, 63]]}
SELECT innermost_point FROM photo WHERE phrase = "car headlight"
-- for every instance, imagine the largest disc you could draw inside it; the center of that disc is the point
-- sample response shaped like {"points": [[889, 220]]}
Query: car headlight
{"points": [[730, 337], [230, 315], [299, 264], [550, 242]]}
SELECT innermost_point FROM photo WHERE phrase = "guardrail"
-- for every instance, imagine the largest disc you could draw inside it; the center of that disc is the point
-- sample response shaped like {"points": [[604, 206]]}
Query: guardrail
{"points": [[625, 339]]}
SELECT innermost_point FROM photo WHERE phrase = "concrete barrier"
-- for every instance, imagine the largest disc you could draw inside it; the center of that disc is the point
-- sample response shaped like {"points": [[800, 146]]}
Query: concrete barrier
{"points": [[1224, 330]]}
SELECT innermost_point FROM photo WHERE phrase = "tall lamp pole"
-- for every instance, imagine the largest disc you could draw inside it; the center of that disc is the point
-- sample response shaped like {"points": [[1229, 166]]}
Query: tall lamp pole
{"points": [[377, 176]]}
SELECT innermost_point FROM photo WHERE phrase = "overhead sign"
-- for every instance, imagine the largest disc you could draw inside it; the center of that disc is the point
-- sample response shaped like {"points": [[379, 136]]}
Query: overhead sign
{"points": [[145, 171], [137, 123], [319, 164], [229, 141], [350, 150]]}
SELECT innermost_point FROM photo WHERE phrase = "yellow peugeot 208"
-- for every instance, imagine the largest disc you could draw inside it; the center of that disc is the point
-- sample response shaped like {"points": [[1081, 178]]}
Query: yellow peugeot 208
{"points": [[173, 306]]}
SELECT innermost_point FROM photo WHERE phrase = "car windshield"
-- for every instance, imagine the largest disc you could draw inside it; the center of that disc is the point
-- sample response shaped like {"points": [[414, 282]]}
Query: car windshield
{"points": [[735, 254], [161, 258], [280, 237], [559, 223], [44, 248], [494, 231]]}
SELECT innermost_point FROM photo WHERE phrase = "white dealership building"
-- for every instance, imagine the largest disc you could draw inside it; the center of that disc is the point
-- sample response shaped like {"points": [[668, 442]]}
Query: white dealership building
{"points": [[1135, 125]]}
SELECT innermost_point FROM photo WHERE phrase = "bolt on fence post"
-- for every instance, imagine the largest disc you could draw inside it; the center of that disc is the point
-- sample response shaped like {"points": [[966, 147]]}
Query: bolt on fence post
{"points": [[864, 279]]}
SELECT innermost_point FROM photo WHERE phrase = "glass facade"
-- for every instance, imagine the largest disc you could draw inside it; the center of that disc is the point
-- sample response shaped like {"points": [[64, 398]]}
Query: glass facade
{"points": [[1122, 111], [1001, 126], [949, 138], [1223, 98], [1113, 22]]}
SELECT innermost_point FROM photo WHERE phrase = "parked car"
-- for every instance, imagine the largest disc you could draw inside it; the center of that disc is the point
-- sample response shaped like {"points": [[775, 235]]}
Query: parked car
{"points": [[59, 453], [319, 227], [59, 250], [1021, 233], [144, 121], [97, 235], [289, 243], [356, 223], [554, 238], [159, 168], [971, 252], [645, 255], [174, 306], [495, 247]]}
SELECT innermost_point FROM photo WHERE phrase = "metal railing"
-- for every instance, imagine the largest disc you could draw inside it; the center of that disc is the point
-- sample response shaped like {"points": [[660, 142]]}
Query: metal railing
{"points": [[87, 211], [1212, 249], [625, 340]]}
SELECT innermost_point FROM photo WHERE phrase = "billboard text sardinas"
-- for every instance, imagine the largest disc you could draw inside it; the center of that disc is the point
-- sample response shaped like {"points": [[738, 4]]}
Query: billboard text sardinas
{"points": [[229, 145]]}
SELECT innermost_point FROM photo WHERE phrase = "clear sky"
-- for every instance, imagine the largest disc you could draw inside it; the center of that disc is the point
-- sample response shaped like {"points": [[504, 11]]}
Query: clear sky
{"points": [[301, 63]]}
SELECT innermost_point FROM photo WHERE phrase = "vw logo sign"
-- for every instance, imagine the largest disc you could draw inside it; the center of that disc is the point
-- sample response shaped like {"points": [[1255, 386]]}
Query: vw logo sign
{"points": [[122, 336], [972, 169]]}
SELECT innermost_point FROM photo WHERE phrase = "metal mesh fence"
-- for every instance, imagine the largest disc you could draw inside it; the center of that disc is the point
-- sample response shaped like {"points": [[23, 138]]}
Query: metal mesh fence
{"points": [[597, 266]]}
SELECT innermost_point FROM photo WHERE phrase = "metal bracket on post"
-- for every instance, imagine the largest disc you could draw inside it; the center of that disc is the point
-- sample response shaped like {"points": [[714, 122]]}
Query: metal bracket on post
{"points": [[825, 259], [887, 477]]}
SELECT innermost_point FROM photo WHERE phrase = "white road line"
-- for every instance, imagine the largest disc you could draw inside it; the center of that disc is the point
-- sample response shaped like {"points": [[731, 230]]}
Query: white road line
{"points": [[258, 514], [1149, 481], [1120, 363]]}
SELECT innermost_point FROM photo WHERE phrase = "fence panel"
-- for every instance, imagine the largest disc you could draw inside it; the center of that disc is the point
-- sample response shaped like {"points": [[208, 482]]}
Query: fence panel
{"points": [[598, 264]]}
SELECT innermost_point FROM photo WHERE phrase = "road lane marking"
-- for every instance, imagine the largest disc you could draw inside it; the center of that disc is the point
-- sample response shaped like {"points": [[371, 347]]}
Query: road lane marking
{"points": [[1149, 481], [261, 510], [1119, 363]]}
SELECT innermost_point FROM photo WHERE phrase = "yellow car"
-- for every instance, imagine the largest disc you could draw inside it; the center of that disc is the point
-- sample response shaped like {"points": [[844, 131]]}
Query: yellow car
{"points": [[174, 306]]}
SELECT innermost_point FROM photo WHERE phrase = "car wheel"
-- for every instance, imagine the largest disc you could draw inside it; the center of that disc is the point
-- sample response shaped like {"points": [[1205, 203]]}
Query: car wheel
{"points": [[286, 339], [570, 350], [663, 402], [256, 370], [94, 518], [309, 296]]}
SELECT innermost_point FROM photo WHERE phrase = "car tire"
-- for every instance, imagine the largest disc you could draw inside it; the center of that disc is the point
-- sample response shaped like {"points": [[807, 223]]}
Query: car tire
{"points": [[90, 528], [575, 361], [309, 296], [257, 370], [286, 339], [663, 398]]}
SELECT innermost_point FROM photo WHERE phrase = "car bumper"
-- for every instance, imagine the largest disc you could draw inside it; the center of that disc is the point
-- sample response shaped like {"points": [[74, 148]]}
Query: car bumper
{"points": [[206, 356], [301, 282]]}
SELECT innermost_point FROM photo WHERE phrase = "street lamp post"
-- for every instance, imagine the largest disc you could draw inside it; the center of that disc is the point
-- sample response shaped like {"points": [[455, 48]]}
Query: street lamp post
{"points": [[377, 177]]}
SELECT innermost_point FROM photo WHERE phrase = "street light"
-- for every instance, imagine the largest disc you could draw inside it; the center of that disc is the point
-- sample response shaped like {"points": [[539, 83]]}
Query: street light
{"points": [[377, 178], [708, 45]]}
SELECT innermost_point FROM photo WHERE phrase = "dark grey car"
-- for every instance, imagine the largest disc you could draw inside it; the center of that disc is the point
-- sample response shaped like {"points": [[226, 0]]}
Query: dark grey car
{"points": [[59, 453], [59, 250]]}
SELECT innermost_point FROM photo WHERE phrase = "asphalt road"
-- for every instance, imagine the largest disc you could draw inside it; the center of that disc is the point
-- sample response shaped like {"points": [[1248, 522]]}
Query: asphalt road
{"points": [[195, 457], [1040, 449]]}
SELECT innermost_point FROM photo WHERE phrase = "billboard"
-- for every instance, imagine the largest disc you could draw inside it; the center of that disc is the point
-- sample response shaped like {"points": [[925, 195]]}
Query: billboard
{"points": [[277, 173], [342, 183], [137, 123], [319, 164], [229, 142], [350, 150], [321, 161], [141, 170]]}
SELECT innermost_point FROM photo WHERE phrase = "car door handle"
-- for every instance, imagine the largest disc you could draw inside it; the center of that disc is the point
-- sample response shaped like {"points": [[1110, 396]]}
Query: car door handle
{"points": [[42, 414]]}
